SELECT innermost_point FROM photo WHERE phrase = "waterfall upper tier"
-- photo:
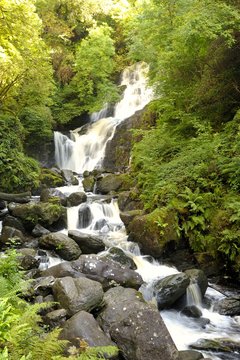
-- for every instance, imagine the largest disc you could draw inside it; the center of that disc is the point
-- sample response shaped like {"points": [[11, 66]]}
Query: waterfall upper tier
{"points": [[86, 151]]}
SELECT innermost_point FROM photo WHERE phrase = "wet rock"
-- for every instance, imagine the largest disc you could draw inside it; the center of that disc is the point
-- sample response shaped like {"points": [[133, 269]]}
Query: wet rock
{"points": [[169, 289], [228, 306], [128, 216], [190, 355], [118, 255], [198, 277], [78, 294], [135, 326], [84, 215], [192, 311], [88, 183], [51, 178], [83, 326], [3, 204], [129, 201], [89, 244], [11, 221], [63, 245], [11, 237], [107, 272], [217, 345], [28, 262], [76, 198], [41, 286], [69, 177], [55, 318], [39, 231], [62, 270], [53, 195], [112, 182]]}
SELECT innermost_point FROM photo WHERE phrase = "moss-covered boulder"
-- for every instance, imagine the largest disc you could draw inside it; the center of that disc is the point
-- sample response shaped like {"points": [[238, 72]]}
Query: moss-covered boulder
{"points": [[88, 183], [63, 245], [113, 182], [156, 232], [130, 200], [46, 214], [51, 178]]}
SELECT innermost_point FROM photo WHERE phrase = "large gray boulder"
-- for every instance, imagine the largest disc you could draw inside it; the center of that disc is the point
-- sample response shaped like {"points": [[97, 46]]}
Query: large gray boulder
{"points": [[135, 326], [62, 270], [169, 289], [108, 272], [78, 294], [63, 245], [228, 306], [89, 244], [83, 326]]}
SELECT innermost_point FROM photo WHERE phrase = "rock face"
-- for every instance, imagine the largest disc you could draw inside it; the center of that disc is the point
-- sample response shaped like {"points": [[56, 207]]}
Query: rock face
{"points": [[107, 272], [77, 294], [64, 246], [135, 326], [83, 326], [89, 244], [170, 289]]}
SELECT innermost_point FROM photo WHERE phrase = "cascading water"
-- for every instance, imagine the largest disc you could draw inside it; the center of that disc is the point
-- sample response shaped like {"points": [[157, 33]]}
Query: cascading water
{"points": [[86, 151], [99, 216]]}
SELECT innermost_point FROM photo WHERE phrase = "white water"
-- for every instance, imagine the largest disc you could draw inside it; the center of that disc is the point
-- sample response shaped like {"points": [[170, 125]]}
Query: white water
{"points": [[99, 217], [86, 151]]}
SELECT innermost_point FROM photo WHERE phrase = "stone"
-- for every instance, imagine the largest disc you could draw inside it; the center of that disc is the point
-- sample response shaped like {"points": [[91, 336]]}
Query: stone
{"points": [[118, 255], [63, 245], [61, 270], [107, 272], [217, 345], [83, 326], [169, 289], [69, 177], [228, 306], [135, 326], [89, 244], [88, 183], [128, 216], [192, 311], [55, 318], [110, 183], [76, 198], [11, 221], [11, 236], [78, 294], [28, 262], [39, 231]]}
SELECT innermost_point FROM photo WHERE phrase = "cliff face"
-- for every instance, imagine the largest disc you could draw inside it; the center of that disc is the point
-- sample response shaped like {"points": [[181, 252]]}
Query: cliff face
{"points": [[118, 149]]}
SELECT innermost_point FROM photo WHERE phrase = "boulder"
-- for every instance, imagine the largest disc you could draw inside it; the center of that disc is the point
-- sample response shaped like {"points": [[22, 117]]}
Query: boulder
{"points": [[156, 233], [41, 286], [28, 262], [217, 345], [63, 245], [107, 272], [83, 326], [13, 222], [69, 177], [76, 198], [11, 236], [192, 311], [228, 306], [169, 289], [118, 255], [88, 183], [61, 270], [135, 326], [198, 277], [54, 196], [3, 204], [39, 231], [129, 201], [78, 294], [84, 215], [89, 244], [45, 214], [51, 178], [55, 318], [128, 216], [113, 182]]}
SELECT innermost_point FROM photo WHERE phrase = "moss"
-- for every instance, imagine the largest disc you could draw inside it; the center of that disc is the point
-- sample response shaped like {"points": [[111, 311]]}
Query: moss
{"points": [[51, 178]]}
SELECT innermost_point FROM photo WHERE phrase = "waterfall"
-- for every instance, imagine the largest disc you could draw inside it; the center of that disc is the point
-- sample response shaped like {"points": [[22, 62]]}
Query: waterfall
{"points": [[86, 151]]}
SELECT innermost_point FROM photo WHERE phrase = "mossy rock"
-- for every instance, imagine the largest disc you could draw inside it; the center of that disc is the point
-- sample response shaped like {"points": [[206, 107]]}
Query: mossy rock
{"points": [[155, 232], [88, 183], [43, 213], [51, 179], [113, 183]]}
